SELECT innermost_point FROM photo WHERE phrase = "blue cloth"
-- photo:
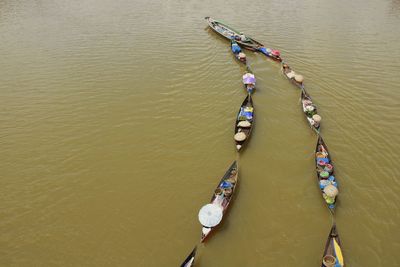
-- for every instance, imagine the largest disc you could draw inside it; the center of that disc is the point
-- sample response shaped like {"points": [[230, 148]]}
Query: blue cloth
{"points": [[264, 50], [226, 184], [248, 115], [236, 49], [326, 160]]}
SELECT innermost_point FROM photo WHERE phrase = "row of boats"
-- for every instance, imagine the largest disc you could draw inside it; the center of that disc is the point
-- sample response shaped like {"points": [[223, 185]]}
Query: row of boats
{"points": [[212, 213]]}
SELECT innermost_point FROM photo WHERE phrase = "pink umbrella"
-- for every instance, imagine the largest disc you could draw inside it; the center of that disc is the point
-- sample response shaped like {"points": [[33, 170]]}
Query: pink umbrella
{"points": [[249, 78]]}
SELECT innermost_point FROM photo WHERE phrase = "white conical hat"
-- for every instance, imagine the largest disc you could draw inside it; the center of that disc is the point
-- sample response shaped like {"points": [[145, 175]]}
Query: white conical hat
{"points": [[242, 55], [240, 136], [316, 118], [299, 78], [210, 215], [331, 191]]}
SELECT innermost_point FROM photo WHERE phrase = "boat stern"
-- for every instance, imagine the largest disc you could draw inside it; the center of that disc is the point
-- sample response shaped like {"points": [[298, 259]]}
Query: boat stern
{"points": [[205, 231]]}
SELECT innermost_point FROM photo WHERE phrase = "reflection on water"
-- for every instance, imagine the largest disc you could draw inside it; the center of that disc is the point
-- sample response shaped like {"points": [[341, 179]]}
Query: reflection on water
{"points": [[117, 120]]}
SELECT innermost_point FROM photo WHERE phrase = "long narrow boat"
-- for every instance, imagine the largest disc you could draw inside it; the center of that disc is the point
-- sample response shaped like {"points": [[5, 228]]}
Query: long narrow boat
{"points": [[294, 78], [244, 122], [222, 196], [325, 170], [310, 110], [189, 261], [333, 256], [243, 40], [237, 52]]}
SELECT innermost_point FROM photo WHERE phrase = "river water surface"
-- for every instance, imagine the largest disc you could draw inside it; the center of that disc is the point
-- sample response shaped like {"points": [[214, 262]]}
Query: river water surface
{"points": [[117, 123]]}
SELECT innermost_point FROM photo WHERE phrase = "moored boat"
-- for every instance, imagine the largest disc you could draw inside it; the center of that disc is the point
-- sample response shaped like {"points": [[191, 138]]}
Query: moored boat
{"points": [[244, 122], [294, 78], [189, 261], [333, 256], [237, 52], [310, 110], [325, 174], [211, 214], [243, 40]]}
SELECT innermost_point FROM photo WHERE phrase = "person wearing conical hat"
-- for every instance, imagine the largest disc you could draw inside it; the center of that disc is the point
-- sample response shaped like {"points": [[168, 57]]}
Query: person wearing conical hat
{"points": [[299, 78], [317, 120], [288, 71], [242, 37], [242, 57]]}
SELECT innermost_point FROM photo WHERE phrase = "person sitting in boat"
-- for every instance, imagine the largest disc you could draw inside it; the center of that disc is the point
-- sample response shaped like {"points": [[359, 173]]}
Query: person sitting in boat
{"points": [[285, 67], [316, 120], [288, 71], [243, 38], [250, 87], [236, 48], [242, 57]]}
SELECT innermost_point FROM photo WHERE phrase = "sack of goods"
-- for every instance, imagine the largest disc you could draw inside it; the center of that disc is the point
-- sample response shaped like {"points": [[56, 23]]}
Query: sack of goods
{"points": [[328, 168], [329, 200], [321, 154], [240, 136], [244, 124], [322, 161], [291, 74], [310, 111]]}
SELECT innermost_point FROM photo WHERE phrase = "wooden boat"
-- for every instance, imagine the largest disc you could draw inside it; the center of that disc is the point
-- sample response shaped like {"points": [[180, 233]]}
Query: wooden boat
{"points": [[223, 194], [244, 116], [289, 74], [237, 52], [333, 256], [247, 42], [189, 261], [306, 101], [324, 163]]}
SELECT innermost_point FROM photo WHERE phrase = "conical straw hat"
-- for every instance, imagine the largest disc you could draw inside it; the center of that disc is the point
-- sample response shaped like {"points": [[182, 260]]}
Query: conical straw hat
{"points": [[329, 261], [242, 55], [331, 191], [299, 78], [317, 118], [240, 136]]}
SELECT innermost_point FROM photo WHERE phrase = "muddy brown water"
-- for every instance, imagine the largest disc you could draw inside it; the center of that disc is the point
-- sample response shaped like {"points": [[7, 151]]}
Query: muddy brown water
{"points": [[117, 123]]}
